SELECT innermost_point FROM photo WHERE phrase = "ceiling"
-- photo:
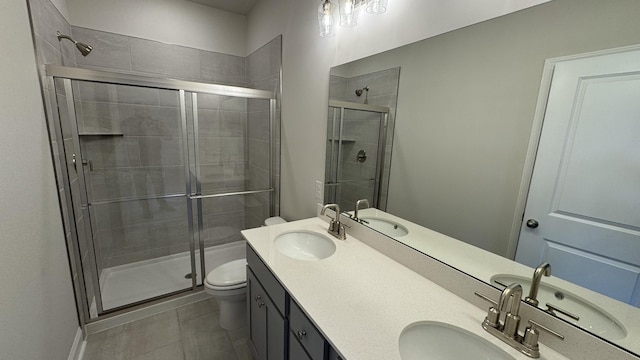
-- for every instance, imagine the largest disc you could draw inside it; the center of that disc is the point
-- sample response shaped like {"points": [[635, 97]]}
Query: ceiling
{"points": [[236, 6]]}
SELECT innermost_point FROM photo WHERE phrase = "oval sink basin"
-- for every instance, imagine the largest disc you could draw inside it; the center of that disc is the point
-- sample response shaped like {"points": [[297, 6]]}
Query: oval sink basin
{"points": [[436, 340], [385, 226], [592, 318], [305, 245]]}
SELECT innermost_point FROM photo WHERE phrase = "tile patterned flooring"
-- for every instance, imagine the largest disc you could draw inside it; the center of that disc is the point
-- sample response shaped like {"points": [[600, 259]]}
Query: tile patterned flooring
{"points": [[187, 333]]}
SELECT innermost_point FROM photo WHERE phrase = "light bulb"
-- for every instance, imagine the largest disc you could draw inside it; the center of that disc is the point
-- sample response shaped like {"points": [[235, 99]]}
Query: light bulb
{"points": [[327, 18], [348, 7], [377, 6], [349, 12]]}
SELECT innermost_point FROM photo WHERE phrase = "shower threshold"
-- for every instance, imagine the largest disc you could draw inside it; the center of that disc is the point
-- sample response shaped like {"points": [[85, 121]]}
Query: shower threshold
{"points": [[127, 284]]}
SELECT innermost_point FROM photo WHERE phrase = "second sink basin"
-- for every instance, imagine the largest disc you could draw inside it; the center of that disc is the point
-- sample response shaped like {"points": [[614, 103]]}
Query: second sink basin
{"points": [[436, 340], [591, 316], [385, 226], [304, 245]]}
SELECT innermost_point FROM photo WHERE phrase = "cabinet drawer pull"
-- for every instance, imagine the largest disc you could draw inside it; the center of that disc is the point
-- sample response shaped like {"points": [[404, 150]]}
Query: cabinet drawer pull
{"points": [[260, 304], [258, 298], [301, 334]]}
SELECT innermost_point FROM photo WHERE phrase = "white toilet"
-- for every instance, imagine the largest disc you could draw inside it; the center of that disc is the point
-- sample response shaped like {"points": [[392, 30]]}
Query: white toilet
{"points": [[227, 283]]}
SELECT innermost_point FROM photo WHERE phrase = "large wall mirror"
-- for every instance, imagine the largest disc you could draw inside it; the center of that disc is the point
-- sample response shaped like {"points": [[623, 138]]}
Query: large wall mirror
{"points": [[463, 114]]}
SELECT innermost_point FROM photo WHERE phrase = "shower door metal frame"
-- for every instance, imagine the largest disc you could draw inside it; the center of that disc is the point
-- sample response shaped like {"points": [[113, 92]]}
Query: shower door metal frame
{"points": [[67, 75], [384, 111]]}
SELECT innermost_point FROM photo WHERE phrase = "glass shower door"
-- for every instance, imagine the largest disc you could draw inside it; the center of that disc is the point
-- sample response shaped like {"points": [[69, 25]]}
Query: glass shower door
{"points": [[157, 175], [128, 143], [230, 146]]}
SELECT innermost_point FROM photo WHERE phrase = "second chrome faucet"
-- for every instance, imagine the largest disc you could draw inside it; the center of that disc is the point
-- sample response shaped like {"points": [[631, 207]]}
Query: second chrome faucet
{"points": [[542, 269], [336, 228], [355, 212]]}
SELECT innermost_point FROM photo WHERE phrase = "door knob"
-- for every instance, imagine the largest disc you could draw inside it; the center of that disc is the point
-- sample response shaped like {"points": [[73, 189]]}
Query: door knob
{"points": [[532, 223]]}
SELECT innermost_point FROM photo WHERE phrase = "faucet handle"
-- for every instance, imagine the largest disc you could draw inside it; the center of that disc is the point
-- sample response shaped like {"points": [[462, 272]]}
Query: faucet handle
{"points": [[493, 315], [532, 333]]}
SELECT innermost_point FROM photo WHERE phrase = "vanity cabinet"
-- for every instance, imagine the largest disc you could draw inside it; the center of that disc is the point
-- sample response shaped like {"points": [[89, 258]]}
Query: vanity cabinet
{"points": [[266, 300], [278, 328]]}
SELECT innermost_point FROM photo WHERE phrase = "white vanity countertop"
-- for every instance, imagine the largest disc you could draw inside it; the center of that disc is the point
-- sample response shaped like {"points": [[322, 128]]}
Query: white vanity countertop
{"points": [[361, 300], [484, 264]]}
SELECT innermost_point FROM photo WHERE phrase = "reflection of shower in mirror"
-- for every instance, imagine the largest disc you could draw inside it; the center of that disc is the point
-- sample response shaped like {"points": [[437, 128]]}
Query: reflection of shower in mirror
{"points": [[366, 95], [359, 91]]}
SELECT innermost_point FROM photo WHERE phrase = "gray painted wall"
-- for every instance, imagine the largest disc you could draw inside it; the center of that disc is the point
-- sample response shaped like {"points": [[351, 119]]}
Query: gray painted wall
{"points": [[37, 312]]}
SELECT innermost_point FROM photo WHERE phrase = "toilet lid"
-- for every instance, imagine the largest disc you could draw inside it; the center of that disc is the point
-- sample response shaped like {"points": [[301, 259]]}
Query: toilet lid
{"points": [[229, 274]]}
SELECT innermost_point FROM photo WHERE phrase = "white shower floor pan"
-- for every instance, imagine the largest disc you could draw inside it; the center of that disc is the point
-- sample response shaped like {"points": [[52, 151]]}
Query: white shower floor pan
{"points": [[130, 283]]}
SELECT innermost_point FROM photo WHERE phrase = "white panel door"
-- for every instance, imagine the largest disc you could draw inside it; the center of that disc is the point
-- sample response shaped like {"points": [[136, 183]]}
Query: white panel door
{"points": [[585, 189]]}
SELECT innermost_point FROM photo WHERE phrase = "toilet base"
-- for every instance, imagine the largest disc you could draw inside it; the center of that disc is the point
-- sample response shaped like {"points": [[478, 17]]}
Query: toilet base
{"points": [[233, 314]]}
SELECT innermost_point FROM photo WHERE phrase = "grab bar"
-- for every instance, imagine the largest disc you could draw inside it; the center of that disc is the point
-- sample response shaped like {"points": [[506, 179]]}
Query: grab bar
{"points": [[154, 197], [249, 192], [178, 195]]}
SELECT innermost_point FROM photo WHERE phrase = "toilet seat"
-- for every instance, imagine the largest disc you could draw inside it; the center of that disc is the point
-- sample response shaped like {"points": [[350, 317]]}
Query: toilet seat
{"points": [[229, 276]]}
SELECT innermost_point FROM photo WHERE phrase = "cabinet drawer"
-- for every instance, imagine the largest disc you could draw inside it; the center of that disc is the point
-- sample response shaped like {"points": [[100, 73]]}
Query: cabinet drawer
{"points": [[303, 330], [267, 280], [296, 352], [333, 354]]}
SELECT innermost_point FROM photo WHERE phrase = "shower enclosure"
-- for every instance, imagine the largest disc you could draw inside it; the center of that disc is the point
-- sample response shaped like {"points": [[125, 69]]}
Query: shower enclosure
{"points": [[162, 175], [356, 153]]}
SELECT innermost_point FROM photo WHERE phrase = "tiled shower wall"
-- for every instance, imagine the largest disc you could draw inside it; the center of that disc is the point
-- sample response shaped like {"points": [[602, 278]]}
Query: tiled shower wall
{"points": [[263, 72], [149, 156], [361, 131]]}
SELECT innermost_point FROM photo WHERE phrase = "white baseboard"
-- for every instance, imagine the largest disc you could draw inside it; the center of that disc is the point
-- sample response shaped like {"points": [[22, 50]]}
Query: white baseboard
{"points": [[77, 349]]}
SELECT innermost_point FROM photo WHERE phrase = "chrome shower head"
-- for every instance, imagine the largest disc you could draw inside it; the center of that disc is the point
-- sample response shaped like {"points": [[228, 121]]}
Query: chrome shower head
{"points": [[84, 49], [359, 91]]}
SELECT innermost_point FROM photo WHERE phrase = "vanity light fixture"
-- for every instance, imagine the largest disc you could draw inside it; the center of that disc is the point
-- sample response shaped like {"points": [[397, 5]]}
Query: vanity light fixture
{"points": [[376, 6], [327, 14], [349, 11]]}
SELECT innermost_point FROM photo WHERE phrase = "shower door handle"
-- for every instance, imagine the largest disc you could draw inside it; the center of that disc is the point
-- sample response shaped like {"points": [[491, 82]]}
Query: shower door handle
{"points": [[88, 162]]}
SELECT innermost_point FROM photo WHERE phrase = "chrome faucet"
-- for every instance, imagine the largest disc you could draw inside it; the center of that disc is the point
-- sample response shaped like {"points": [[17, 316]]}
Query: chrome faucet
{"points": [[335, 227], [355, 213], [542, 269], [508, 332], [512, 292]]}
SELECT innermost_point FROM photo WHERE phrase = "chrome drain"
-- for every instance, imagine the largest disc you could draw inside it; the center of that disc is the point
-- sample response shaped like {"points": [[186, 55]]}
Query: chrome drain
{"points": [[188, 276]]}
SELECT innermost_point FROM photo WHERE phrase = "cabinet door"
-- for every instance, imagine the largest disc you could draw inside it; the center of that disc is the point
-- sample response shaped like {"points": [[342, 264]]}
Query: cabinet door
{"points": [[276, 329], [257, 317], [267, 327]]}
